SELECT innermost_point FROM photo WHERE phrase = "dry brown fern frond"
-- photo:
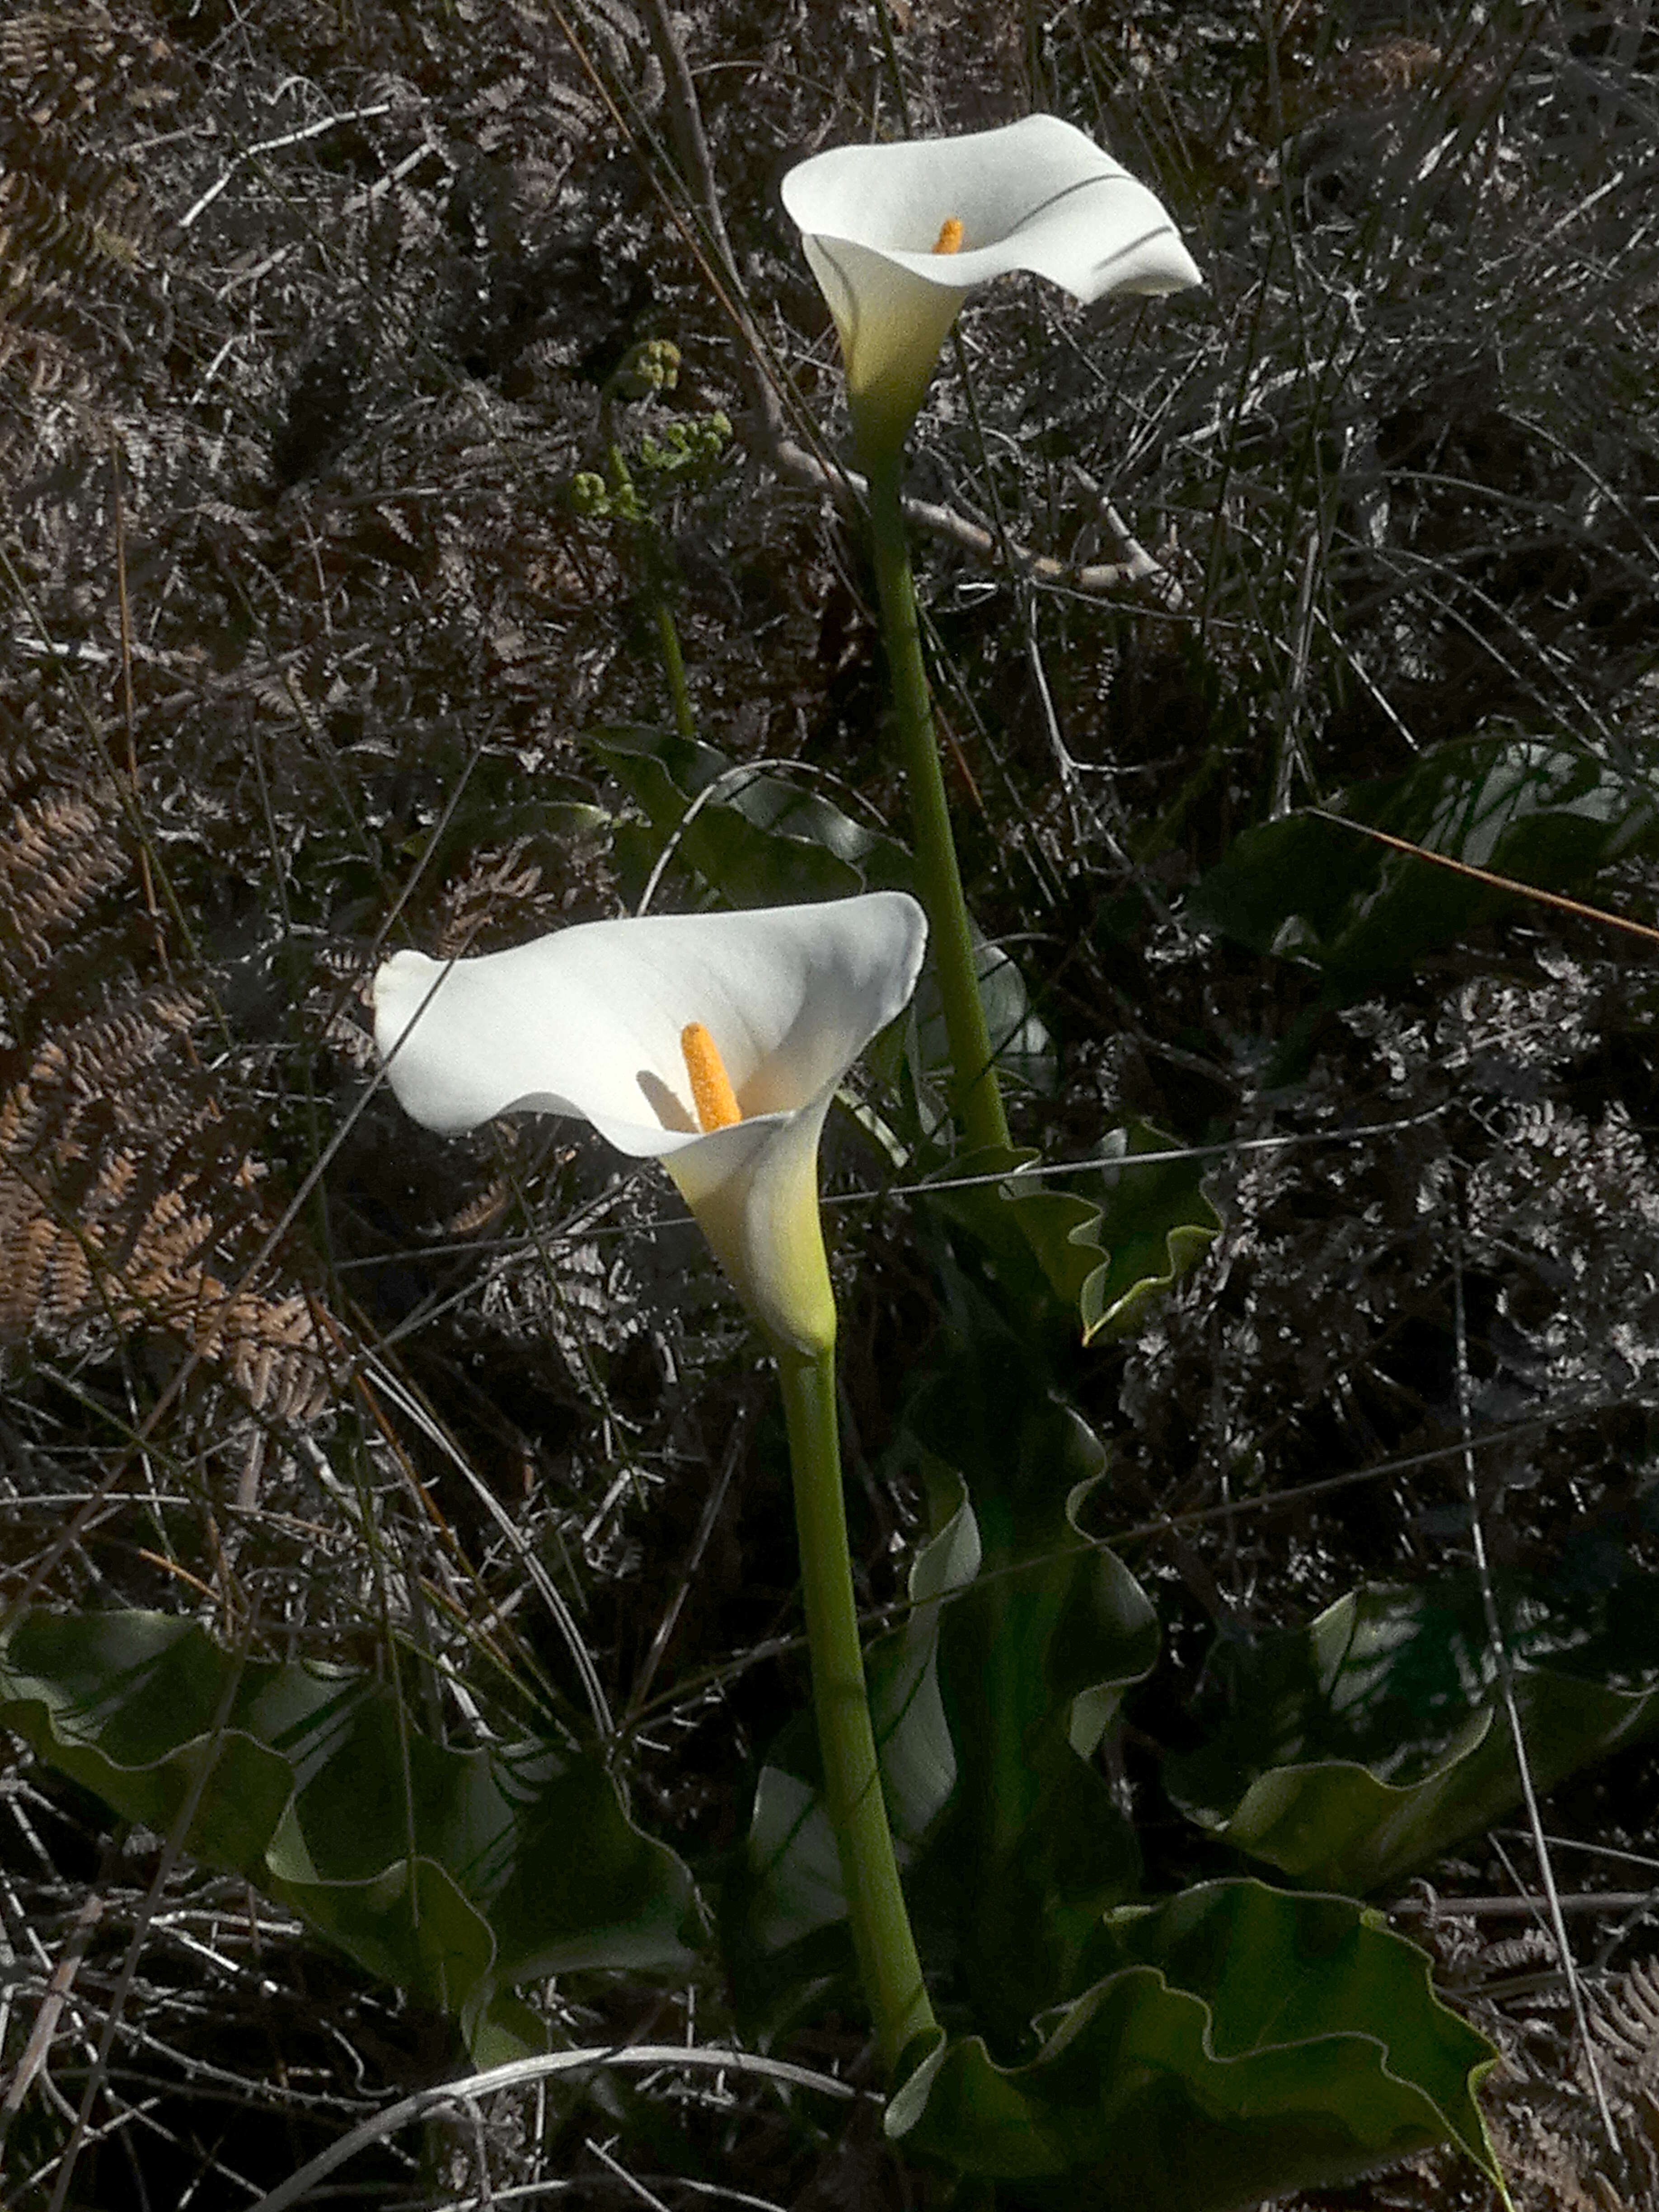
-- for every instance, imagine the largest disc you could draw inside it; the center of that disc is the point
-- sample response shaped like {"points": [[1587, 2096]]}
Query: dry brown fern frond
{"points": [[1546, 2122], [501, 899], [73, 215], [56, 856], [1387, 68], [129, 1191], [65, 856], [126, 1199], [1626, 2027], [76, 236], [81, 283], [63, 65]]}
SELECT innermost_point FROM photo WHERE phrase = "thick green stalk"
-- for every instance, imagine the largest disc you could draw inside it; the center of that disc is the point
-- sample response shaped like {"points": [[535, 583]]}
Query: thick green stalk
{"points": [[888, 1964], [978, 1099]]}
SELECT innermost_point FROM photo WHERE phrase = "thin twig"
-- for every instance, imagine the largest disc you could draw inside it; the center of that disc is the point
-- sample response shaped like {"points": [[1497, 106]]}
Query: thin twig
{"points": [[849, 489], [711, 1514], [57, 1993], [129, 710], [1165, 1155], [1524, 1908], [275, 146]]}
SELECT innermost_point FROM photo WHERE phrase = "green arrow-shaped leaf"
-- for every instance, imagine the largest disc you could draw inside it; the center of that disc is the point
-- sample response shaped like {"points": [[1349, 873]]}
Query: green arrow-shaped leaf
{"points": [[1099, 1252], [1239, 2042], [1539, 813], [1372, 1740], [453, 1873]]}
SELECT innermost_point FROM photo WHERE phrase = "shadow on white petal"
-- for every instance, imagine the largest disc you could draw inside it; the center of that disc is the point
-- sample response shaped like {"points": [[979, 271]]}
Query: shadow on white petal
{"points": [[668, 1109]]}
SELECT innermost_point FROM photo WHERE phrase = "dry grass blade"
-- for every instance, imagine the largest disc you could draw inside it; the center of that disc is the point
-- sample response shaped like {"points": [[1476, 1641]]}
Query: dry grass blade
{"points": [[1531, 892], [668, 2056]]}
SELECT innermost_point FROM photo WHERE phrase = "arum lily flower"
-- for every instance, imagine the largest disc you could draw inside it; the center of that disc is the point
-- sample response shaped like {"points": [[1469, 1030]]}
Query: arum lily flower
{"points": [[713, 1043], [897, 236]]}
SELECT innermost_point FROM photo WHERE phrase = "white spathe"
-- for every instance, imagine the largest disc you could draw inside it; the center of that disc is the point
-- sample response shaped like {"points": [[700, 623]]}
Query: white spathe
{"points": [[588, 1022], [1035, 195]]}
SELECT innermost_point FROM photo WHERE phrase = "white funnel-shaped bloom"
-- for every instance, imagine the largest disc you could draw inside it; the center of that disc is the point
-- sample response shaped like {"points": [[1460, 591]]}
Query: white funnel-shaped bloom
{"points": [[897, 236], [592, 1021]]}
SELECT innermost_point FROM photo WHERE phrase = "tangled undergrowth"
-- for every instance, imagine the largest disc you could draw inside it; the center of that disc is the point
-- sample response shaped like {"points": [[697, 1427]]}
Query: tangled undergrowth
{"points": [[310, 318]]}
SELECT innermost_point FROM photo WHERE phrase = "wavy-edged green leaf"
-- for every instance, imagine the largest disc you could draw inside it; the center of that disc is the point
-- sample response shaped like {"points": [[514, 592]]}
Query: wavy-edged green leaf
{"points": [[1035, 1656], [1202, 2051], [1542, 813], [1235, 2043], [1102, 1258], [453, 1873], [758, 838], [1156, 1221], [1372, 1739]]}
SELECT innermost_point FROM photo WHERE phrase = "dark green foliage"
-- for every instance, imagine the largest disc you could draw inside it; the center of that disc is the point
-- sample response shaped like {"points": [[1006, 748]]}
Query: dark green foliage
{"points": [[1214, 2045], [1069, 1257], [757, 839], [1355, 1750], [1550, 815]]}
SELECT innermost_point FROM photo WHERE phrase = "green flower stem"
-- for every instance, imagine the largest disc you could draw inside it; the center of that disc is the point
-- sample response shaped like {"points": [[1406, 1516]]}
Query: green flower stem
{"points": [[673, 661], [891, 1971], [939, 879], [629, 508]]}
